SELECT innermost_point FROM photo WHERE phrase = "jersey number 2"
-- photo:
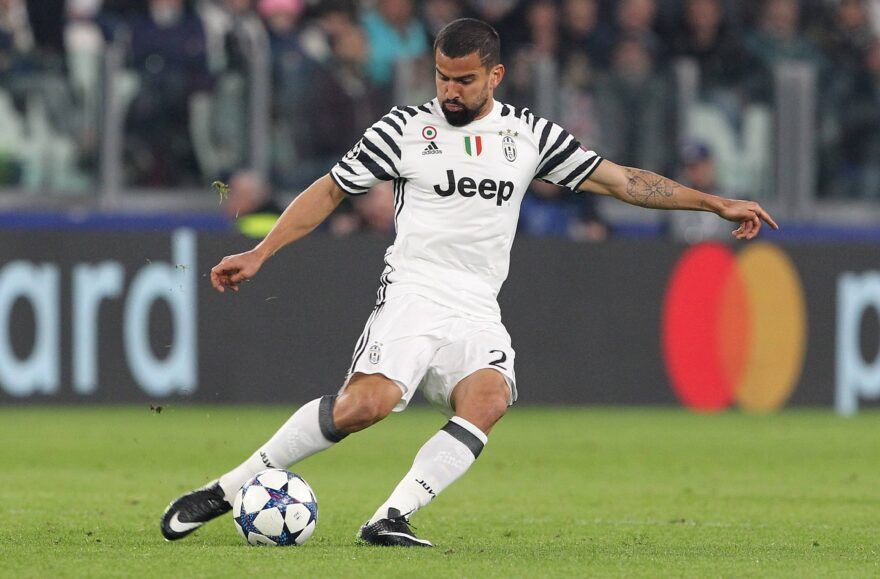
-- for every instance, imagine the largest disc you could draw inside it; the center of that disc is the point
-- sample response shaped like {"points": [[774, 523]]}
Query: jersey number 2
{"points": [[500, 360]]}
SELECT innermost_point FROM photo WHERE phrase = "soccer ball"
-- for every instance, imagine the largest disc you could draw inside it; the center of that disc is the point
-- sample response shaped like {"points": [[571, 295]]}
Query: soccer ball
{"points": [[275, 507]]}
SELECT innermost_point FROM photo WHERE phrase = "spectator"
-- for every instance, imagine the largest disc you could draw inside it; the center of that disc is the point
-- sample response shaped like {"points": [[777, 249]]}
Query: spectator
{"points": [[291, 66], [376, 210], [634, 104], [698, 170], [534, 63], [394, 33], [16, 61], [586, 45], [635, 21], [708, 37], [873, 7], [335, 17], [47, 23], [778, 35], [371, 213], [595, 65], [79, 9], [859, 137], [438, 13], [122, 7], [16, 39], [549, 210], [250, 204], [344, 101], [505, 16], [289, 62], [584, 36], [577, 99], [841, 156], [848, 37], [168, 51], [542, 18], [233, 31], [246, 34]]}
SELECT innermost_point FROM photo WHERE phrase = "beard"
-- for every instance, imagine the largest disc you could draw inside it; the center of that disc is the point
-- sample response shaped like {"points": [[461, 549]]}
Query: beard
{"points": [[463, 116]]}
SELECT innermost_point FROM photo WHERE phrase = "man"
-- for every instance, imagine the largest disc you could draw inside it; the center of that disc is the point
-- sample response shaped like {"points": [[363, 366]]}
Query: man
{"points": [[250, 204], [460, 165]]}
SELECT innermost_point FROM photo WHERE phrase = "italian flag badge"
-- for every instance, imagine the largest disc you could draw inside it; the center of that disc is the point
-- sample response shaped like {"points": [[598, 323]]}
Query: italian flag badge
{"points": [[473, 146]]}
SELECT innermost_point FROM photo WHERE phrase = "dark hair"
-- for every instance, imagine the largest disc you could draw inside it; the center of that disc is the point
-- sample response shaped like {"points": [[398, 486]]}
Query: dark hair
{"points": [[466, 36]]}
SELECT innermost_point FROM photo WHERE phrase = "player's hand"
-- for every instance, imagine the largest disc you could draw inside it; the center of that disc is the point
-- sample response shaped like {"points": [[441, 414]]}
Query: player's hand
{"points": [[749, 215], [234, 269]]}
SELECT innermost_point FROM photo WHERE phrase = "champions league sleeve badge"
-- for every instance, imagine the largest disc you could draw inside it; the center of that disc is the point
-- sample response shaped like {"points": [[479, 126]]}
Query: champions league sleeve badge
{"points": [[353, 153]]}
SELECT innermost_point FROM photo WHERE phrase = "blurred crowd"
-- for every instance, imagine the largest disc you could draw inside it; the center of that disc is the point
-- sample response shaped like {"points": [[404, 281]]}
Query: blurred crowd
{"points": [[602, 68]]}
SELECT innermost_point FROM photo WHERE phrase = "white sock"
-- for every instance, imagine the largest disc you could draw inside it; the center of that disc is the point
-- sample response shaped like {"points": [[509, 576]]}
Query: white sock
{"points": [[310, 430], [440, 462]]}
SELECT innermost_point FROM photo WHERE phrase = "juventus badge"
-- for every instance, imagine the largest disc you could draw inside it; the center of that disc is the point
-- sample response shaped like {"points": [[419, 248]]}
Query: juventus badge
{"points": [[374, 354], [508, 145]]}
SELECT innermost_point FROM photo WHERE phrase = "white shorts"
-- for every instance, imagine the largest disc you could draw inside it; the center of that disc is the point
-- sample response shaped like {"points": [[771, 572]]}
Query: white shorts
{"points": [[420, 344]]}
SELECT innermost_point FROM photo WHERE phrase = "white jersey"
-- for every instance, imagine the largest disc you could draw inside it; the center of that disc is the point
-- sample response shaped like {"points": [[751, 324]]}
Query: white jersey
{"points": [[457, 194]]}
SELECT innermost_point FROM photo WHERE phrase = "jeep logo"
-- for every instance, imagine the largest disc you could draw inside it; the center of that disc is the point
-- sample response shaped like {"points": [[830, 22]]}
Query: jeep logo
{"points": [[501, 191]]}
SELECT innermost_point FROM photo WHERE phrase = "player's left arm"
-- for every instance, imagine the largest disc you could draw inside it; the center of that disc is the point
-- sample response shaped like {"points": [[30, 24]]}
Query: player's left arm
{"points": [[647, 189]]}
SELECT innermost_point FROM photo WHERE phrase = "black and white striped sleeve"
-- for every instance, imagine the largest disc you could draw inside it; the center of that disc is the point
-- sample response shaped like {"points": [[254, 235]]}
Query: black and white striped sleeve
{"points": [[562, 159], [375, 157]]}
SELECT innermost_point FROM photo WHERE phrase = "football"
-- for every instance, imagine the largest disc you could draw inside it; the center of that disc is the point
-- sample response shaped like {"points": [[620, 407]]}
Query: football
{"points": [[276, 507]]}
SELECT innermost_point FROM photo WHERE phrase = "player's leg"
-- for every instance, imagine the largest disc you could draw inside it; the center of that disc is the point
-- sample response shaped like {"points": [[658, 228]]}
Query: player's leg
{"points": [[479, 401], [316, 426]]}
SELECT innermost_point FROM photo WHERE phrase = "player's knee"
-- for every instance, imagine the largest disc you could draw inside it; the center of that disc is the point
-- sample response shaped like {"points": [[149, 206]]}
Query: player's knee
{"points": [[370, 409], [483, 404], [365, 402], [484, 413], [495, 403]]}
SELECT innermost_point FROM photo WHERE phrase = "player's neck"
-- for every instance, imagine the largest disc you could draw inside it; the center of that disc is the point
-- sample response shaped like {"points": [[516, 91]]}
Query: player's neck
{"points": [[486, 110]]}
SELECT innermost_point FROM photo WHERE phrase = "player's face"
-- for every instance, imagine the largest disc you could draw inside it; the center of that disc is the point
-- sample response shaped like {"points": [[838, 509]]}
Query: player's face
{"points": [[465, 87]]}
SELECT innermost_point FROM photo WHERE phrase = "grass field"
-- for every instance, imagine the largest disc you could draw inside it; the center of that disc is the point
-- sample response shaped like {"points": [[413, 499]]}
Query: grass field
{"points": [[557, 493]]}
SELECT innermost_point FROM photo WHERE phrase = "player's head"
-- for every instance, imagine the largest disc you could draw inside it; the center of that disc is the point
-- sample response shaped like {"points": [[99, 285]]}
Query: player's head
{"points": [[467, 55]]}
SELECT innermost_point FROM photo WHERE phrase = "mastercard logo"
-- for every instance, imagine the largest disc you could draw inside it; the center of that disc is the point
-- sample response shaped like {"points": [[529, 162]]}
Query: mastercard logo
{"points": [[734, 328]]}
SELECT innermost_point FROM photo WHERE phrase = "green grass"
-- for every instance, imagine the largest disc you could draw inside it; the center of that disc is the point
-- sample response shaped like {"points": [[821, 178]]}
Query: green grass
{"points": [[558, 492]]}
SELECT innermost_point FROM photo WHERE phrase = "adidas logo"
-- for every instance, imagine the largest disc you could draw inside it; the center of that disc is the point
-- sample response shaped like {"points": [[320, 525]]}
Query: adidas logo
{"points": [[432, 149]]}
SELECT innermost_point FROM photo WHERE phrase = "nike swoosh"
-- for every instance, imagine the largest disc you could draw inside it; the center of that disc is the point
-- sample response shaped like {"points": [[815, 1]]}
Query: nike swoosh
{"points": [[410, 537], [179, 526]]}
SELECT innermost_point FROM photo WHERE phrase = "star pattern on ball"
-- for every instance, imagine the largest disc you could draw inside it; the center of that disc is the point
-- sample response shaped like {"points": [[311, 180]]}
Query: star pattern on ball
{"points": [[275, 507]]}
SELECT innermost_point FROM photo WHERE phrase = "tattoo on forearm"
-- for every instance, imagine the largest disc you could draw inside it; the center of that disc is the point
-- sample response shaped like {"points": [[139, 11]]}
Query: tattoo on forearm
{"points": [[648, 189]]}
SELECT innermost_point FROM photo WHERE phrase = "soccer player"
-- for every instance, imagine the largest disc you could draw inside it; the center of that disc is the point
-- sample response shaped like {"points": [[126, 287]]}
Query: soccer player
{"points": [[460, 165]]}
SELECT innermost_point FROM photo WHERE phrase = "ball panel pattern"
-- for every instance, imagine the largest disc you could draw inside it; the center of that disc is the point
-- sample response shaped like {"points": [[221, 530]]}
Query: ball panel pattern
{"points": [[273, 479], [298, 489], [255, 499], [296, 517], [269, 522], [236, 502], [306, 533], [275, 507], [258, 539], [239, 529]]}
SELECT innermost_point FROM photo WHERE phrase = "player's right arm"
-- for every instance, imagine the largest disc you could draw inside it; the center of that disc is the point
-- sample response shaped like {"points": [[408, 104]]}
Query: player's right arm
{"points": [[374, 158], [301, 217]]}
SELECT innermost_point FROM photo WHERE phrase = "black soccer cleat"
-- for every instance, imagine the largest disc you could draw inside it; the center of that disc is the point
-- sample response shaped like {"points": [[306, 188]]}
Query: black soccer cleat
{"points": [[192, 510], [391, 532]]}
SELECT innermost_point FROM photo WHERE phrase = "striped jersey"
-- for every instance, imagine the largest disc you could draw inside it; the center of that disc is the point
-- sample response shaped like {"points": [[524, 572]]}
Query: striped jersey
{"points": [[457, 194]]}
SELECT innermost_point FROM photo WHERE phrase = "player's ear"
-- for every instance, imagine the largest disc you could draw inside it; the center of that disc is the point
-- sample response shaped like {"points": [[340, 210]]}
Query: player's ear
{"points": [[496, 74]]}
